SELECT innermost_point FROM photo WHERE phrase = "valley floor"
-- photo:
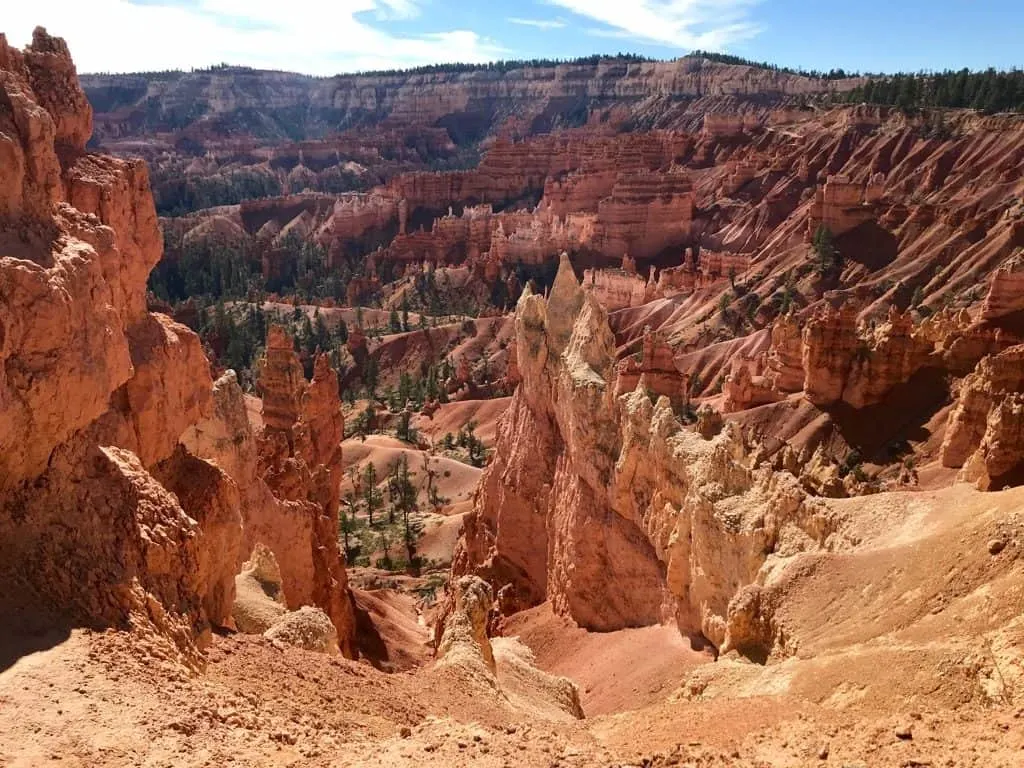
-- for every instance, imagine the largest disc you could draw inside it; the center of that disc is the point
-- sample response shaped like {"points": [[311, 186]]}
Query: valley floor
{"points": [[908, 650]]}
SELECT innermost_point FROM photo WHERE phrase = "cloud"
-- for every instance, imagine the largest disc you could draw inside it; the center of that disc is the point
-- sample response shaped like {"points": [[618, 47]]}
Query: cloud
{"points": [[683, 24], [538, 23], [330, 37], [398, 9]]}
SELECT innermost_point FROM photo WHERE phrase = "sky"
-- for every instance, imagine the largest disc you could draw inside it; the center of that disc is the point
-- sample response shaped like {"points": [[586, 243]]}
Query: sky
{"points": [[325, 37]]}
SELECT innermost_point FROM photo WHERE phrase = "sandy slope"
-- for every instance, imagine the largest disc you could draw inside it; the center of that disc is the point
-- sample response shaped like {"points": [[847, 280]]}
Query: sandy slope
{"points": [[616, 671], [451, 417], [905, 649], [454, 480]]}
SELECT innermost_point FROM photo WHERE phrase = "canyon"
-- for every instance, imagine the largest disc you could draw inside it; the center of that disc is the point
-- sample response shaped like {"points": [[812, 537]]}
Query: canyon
{"points": [[626, 413]]}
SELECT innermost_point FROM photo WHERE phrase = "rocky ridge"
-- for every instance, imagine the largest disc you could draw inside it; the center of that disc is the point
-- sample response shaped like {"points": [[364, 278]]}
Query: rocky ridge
{"points": [[528, 94]]}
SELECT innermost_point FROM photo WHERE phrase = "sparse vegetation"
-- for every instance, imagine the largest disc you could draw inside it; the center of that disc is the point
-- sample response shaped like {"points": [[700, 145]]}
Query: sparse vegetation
{"points": [[828, 260]]}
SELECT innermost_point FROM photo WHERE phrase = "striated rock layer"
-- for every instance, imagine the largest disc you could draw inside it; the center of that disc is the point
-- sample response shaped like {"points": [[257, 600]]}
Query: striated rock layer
{"points": [[542, 95]]}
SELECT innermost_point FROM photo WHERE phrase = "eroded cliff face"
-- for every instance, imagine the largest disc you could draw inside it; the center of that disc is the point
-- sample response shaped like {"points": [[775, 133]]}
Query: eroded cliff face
{"points": [[123, 472], [544, 96], [99, 522], [985, 435], [607, 506]]}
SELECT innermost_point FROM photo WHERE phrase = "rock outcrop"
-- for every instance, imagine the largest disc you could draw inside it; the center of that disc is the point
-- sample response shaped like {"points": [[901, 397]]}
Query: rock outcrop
{"points": [[105, 518], [300, 460], [308, 628], [841, 204], [259, 597], [501, 665], [605, 504], [655, 365], [833, 358], [1006, 289], [461, 629], [985, 433], [287, 477]]}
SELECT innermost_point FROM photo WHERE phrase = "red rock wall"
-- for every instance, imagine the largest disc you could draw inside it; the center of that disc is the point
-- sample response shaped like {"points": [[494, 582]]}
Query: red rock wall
{"points": [[96, 392]]}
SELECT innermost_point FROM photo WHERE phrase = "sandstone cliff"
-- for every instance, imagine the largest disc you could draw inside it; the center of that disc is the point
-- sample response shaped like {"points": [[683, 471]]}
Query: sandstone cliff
{"points": [[126, 477], [545, 96], [105, 518]]}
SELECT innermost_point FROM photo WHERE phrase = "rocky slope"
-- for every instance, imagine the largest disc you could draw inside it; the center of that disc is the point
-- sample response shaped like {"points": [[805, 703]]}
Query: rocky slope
{"points": [[600, 501], [112, 510], [919, 215]]}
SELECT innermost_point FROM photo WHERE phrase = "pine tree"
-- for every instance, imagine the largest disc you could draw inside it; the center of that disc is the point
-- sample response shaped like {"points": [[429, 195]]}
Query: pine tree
{"points": [[320, 333], [829, 260], [347, 526], [370, 377], [404, 502], [371, 496], [405, 431]]}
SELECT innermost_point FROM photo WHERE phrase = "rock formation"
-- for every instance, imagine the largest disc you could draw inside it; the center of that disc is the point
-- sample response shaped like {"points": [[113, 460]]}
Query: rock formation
{"points": [[259, 596], [832, 358], [656, 365], [645, 214], [547, 95], [461, 629], [288, 478], [300, 461], [784, 360], [126, 476], [105, 519], [984, 434], [605, 505], [829, 345], [840, 205], [1006, 289], [618, 288], [747, 387], [308, 628]]}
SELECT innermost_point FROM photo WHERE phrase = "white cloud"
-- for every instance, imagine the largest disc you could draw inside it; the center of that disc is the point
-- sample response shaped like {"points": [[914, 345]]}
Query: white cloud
{"points": [[398, 9], [683, 24], [327, 38], [538, 23]]}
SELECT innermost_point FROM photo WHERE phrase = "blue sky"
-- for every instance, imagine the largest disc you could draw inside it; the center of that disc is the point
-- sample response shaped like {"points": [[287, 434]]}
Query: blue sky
{"points": [[330, 36]]}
